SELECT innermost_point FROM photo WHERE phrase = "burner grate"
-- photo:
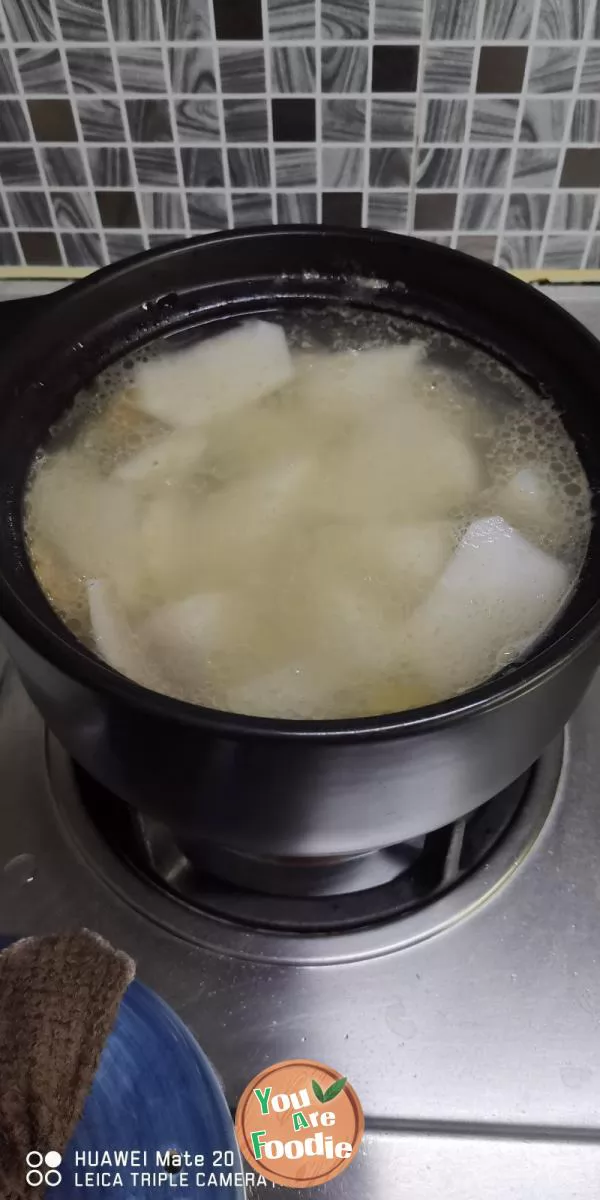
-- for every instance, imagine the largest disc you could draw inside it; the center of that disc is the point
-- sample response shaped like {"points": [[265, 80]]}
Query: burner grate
{"points": [[425, 870]]}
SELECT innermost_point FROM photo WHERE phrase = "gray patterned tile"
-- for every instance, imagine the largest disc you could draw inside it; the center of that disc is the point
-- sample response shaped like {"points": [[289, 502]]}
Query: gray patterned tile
{"points": [[344, 19], [29, 20], [186, 20], [388, 210], [344, 68], [390, 166], [573, 210], [30, 209], [41, 70], [443, 120], [535, 167], [293, 69], [593, 259], [91, 70], [506, 19], [192, 69], [448, 68], [552, 68], [252, 208], [160, 240], [435, 210], [527, 211], [438, 168], [197, 120], [392, 120], [242, 69], [101, 120], [483, 247], [493, 119], [202, 168], [63, 166], [437, 239], [157, 165], [83, 249], [565, 250], [137, 22], [344, 120], [487, 168], [3, 216], [162, 210], [8, 83], [590, 74], [249, 167], [397, 21], [110, 166], [295, 166], [74, 210], [481, 210], [343, 166], [519, 252], [291, 19], [149, 120], [18, 167], [9, 254], [452, 19], [141, 69], [13, 125], [585, 126], [81, 20], [543, 120], [246, 120], [562, 20], [123, 245], [296, 208]]}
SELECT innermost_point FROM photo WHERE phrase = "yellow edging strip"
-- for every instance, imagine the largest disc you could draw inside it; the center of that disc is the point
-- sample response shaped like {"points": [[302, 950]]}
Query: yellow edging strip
{"points": [[531, 275]]}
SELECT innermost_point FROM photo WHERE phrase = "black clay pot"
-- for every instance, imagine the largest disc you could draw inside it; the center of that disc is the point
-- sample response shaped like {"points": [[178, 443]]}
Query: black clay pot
{"points": [[292, 788]]}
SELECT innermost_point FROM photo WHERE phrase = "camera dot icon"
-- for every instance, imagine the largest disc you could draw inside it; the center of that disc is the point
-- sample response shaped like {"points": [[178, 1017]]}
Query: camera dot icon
{"points": [[36, 1162]]}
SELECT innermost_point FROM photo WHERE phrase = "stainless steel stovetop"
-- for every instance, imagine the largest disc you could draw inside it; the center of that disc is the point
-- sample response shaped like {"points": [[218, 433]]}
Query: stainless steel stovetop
{"points": [[470, 1028]]}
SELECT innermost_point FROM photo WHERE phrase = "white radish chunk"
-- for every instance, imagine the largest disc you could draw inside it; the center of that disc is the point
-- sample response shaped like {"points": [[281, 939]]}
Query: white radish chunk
{"points": [[183, 637], [292, 691], [217, 376], [497, 594], [168, 459], [354, 382], [92, 521], [114, 637]]}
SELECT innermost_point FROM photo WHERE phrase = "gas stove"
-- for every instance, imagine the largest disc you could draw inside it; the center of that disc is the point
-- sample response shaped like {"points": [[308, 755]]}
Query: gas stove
{"points": [[455, 980]]}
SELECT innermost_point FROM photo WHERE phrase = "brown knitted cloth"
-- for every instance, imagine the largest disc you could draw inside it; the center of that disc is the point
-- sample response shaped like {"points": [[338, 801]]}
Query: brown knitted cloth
{"points": [[59, 997]]}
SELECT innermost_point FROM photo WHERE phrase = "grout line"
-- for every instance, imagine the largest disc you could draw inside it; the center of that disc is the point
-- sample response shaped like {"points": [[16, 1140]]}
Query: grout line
{"points": [[35, 145], [439, 43], [125, 120], [399, 95], [515, 140], [220, 102], [420, 112], [368, 115], [466, 148], [173, 190], [589, 22], [267, 47], [319, 107], [167, 75]]}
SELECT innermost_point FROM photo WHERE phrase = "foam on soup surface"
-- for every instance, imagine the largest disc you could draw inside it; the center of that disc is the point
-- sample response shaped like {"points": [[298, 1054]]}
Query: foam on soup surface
{"points": [[333, 515]]}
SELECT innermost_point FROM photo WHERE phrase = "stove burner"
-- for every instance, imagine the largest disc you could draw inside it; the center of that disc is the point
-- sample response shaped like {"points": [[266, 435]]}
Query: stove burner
{"points": [[293, 896]]}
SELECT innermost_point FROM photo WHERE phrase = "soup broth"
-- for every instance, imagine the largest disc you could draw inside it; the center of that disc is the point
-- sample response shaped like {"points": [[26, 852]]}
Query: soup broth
{"points": [[316, 516]]}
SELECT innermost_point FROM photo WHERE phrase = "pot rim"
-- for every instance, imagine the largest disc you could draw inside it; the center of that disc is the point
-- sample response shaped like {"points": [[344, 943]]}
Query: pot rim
{"points": [[66, 653]]}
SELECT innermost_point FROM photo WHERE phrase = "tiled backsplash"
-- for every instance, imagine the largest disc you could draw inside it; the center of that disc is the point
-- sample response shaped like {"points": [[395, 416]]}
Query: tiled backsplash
{"points": [[124, 123]]}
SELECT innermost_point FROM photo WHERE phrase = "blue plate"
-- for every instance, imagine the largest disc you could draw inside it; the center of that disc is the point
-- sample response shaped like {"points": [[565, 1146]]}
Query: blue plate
{"points": [[154, 1091]]}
